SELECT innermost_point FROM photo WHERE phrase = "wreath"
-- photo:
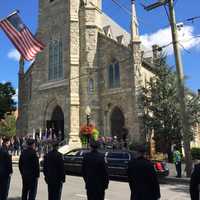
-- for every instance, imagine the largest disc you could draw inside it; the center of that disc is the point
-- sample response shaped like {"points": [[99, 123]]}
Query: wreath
{"points": [[87, 132]]}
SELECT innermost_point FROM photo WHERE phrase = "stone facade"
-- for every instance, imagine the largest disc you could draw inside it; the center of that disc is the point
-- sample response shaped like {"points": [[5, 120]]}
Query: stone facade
{"points": [[91, 42]]}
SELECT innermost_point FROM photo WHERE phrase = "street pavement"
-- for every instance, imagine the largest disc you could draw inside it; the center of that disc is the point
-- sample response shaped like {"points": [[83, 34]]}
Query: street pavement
{"points": [[74, 189]]}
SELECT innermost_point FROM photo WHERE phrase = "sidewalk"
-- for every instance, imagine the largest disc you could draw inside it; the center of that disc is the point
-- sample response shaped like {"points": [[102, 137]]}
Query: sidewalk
{"points": [[172, 175]]}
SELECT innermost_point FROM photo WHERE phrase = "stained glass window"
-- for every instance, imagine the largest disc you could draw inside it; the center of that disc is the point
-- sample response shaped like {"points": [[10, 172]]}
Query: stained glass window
{"points": [[114, 75], [55, 60]]}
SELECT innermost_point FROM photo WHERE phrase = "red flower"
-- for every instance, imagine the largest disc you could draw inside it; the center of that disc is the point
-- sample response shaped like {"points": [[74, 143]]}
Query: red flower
{"points": [[87, 129]]}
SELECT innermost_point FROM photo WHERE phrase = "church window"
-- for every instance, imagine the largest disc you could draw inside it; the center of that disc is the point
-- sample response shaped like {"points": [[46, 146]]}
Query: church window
{"points": [[114, 75], [90, 86], [55, 60]]}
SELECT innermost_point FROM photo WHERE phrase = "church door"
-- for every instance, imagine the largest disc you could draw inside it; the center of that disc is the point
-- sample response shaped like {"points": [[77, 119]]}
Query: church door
{"points": [[57, 123], [117, 123]]}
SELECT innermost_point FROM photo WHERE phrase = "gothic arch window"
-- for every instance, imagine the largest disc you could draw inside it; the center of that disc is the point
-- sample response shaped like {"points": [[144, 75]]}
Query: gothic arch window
{"points": [[55, 60], [90, 86], [114, 75]]}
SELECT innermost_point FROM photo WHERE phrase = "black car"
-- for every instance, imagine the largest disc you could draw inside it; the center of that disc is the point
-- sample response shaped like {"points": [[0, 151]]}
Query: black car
{"points": [[117, 163]]}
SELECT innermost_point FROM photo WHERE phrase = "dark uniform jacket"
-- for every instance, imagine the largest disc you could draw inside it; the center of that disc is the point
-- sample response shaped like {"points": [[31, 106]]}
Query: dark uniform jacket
{"points": [[54, 168], [5, 163], [194, 183], [143, 180], [29, 164], [94, 171]]}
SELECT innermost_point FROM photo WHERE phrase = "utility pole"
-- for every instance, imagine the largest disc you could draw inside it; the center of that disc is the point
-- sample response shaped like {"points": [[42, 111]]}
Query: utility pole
{"points": [[180, 74]]}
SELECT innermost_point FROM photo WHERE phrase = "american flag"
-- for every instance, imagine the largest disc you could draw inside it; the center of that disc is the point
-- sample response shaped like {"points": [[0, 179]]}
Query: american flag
{"points": [[21, 37]]}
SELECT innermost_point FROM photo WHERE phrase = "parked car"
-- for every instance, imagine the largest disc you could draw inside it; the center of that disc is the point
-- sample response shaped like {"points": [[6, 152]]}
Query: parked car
{"points": [[117, 163]]}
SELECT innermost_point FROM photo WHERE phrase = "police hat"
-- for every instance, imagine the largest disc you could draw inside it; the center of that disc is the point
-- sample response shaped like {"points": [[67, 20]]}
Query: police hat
{"points": [[30, 142]]}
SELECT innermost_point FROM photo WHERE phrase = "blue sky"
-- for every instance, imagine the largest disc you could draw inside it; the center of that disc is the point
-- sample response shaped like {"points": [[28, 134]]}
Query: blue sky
{"points": [[153, 28]]}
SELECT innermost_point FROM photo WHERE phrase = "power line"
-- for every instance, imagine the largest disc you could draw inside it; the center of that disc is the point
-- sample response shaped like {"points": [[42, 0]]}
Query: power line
{"points": [[127, 10], [184, 48]]}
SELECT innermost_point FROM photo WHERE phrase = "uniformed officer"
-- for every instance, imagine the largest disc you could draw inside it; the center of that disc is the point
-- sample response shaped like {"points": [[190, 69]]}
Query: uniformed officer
{"points": [[54, 173], [142, 178], [195, 183], [30, 171], [94, 173], [5, 169]]}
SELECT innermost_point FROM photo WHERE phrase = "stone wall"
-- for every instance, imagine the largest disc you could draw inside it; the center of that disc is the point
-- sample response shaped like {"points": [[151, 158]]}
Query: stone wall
{"points": [[121, 97]]}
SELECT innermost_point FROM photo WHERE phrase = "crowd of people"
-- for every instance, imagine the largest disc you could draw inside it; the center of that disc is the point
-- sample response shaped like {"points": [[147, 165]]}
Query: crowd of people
{"points": [[142, 177], [42, 142]]}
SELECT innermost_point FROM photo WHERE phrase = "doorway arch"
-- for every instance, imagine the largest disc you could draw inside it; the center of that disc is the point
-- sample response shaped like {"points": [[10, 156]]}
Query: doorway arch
{"points": [[117, 121], [56, 122]]}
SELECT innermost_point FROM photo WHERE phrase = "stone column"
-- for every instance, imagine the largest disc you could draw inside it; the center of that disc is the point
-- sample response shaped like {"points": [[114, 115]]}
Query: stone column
{"points": [[74, 46]]}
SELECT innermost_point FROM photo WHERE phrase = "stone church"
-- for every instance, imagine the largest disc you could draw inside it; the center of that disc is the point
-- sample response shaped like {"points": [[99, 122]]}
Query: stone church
{"points": [[89, 60]]}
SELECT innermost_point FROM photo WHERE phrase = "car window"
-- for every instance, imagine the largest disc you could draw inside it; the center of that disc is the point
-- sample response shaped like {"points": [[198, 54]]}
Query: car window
{"points": [[122, 155]]}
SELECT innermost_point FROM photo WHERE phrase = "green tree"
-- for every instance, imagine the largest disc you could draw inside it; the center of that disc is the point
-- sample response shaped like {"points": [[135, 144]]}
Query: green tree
{"points": [[159, 101], [7, 104], [8, 126]]}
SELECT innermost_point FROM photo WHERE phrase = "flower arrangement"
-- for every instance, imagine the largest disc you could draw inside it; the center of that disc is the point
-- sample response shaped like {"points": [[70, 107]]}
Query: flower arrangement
{"points": [[87, 132]]}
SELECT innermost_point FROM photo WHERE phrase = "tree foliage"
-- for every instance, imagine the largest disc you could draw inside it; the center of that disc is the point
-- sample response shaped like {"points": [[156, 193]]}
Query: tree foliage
{"points": [[7, 104], [8, 126], [160, 103]]}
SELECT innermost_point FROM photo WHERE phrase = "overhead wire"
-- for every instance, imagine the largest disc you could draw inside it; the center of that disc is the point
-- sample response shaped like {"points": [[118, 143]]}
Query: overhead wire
{"points": [[144, 52]]}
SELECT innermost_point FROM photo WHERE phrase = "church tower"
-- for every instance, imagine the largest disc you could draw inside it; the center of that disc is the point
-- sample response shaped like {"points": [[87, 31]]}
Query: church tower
{"points": [[90, 19], [136, 65]]}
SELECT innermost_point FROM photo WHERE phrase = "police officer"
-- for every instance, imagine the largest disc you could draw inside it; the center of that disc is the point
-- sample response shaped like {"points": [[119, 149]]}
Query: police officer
{"points": [[54, 173], [142, 178], [30, 171], [5, 169], [195, 183], [94, 173]]}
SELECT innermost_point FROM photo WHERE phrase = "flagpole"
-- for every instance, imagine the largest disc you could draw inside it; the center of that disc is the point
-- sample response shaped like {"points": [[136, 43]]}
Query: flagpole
{"points": [[10, 15], [20, 85]]}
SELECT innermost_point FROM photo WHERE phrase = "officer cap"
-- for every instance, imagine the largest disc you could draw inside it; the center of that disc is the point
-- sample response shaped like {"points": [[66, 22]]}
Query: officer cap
{"points": [[30, 142]]}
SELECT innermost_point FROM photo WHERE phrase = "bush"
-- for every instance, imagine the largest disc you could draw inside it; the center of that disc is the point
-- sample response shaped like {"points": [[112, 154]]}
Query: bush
{"points": [[195, 153]]}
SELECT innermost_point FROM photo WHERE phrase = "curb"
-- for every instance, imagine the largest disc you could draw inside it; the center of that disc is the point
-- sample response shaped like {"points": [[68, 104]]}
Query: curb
{"points": [[175, 180]]}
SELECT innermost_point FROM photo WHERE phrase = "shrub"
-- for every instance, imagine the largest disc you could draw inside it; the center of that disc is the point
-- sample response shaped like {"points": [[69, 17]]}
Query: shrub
{"points": [[195, 153]]}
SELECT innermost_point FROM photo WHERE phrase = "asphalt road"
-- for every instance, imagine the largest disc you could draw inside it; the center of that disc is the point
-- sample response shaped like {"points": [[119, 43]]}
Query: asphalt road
{"points": [[74, 189]]}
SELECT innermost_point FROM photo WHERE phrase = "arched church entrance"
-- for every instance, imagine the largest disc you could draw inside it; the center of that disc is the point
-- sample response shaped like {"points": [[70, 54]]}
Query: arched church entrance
{"points": [[56, 123], [117, 123]]}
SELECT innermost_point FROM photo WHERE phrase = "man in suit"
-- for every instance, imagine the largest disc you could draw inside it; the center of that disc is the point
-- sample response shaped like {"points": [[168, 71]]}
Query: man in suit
{"points": [[142, 178], [195, 183], [30, 171], [5, 169], [94, 173], [54, 173]]}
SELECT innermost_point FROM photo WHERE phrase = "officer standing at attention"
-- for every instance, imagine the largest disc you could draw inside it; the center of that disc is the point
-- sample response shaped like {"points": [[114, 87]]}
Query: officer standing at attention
{"points": [[142, 178], [195, 183], [94, 173], [30, 171], [5, 169], [54, 173]]}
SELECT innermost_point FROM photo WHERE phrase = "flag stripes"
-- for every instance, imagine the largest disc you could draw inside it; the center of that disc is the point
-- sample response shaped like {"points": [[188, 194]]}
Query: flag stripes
{"points": [[23, 40]]}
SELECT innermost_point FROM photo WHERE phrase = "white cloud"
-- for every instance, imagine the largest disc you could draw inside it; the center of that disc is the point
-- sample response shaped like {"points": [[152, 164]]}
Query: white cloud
{"points": [[15, 97], [13, 54], [163, 37]]}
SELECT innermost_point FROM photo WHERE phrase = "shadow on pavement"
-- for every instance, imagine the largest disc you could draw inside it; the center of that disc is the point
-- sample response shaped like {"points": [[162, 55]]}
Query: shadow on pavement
{"points": [[14, 198]]}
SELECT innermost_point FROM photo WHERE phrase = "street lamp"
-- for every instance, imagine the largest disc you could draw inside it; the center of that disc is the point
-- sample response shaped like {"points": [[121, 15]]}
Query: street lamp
{"points": [[88, 112]]}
